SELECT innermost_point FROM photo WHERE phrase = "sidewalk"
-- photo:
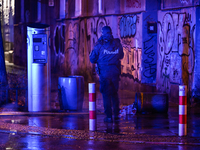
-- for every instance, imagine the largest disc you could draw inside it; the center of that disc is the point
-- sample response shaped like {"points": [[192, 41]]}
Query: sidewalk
{"points": [[139, 128]]}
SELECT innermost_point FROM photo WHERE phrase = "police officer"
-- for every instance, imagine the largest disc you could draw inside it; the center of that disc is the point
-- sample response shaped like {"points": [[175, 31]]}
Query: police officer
{"points": [[106, 54]]}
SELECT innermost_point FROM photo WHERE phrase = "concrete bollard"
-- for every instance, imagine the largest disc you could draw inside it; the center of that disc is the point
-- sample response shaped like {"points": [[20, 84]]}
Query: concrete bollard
{"points": [[182, 110], [92, 107]]}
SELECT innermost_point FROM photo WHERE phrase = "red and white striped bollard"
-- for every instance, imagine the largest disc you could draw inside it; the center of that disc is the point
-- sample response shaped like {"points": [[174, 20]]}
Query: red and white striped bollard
{"points": [[92, 107], [182, 110]]}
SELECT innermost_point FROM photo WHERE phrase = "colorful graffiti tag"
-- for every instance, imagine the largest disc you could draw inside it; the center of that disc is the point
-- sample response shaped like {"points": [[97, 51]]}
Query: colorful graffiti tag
{"points": [[131, 63], [133, 3], [175, 48], [149, 61], [127, 26]]}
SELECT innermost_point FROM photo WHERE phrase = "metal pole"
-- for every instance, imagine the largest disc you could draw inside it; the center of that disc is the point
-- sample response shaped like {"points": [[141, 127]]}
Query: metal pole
{"points": [[92, 107], [182, 110]]}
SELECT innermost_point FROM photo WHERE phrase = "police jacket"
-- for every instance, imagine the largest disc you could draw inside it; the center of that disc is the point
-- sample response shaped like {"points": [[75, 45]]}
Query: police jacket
{"points": [[107, 55]]}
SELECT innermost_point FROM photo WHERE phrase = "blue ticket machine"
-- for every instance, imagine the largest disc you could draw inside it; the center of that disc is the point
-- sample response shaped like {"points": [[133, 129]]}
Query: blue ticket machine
{"points": [[38, 64]]}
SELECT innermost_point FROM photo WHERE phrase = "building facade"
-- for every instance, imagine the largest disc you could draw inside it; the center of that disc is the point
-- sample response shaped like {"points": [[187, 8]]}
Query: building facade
{"points": [[159, 38]]}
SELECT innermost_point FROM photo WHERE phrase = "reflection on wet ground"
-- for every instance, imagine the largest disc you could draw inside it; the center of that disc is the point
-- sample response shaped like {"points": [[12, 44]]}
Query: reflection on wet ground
{"points": [[71, 131], [163, 124], [29, 142]]}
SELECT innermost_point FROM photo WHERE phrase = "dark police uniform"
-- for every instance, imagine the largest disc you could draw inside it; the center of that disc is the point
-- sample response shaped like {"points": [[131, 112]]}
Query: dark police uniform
{"points": [[107, 54]]}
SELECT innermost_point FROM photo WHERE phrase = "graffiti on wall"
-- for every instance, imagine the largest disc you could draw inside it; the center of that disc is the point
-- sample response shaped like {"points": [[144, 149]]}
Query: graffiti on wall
{"points": [[71, 48], [65, 48], [127, 26], [59, 46], [149, 61], [133, 3], [175, 48], [90, 31], [133, 6], [73, 43], [80, 37], [177, 3], [131, 63], [149, 51], [184, 1]]}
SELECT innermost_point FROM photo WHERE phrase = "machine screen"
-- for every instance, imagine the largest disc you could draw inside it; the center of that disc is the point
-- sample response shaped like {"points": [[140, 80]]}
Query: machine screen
{"points": [[40, 48], [37, 39]]}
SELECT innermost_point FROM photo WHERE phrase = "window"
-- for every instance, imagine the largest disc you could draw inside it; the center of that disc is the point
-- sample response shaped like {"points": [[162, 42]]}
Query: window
{"points": [[78, 8], [100, 8], [62, 9]]}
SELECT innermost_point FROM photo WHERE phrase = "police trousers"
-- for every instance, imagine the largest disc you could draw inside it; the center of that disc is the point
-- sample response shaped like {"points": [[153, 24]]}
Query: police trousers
{"points": [[109, 89]]}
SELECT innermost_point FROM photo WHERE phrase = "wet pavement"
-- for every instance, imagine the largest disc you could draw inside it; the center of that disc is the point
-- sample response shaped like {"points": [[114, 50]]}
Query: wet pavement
{"points": [[65, 128]]}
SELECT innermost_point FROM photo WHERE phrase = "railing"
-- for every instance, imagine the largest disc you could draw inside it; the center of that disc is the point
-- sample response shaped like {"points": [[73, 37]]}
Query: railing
{"points": [[11, 94], [17, 89]]}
